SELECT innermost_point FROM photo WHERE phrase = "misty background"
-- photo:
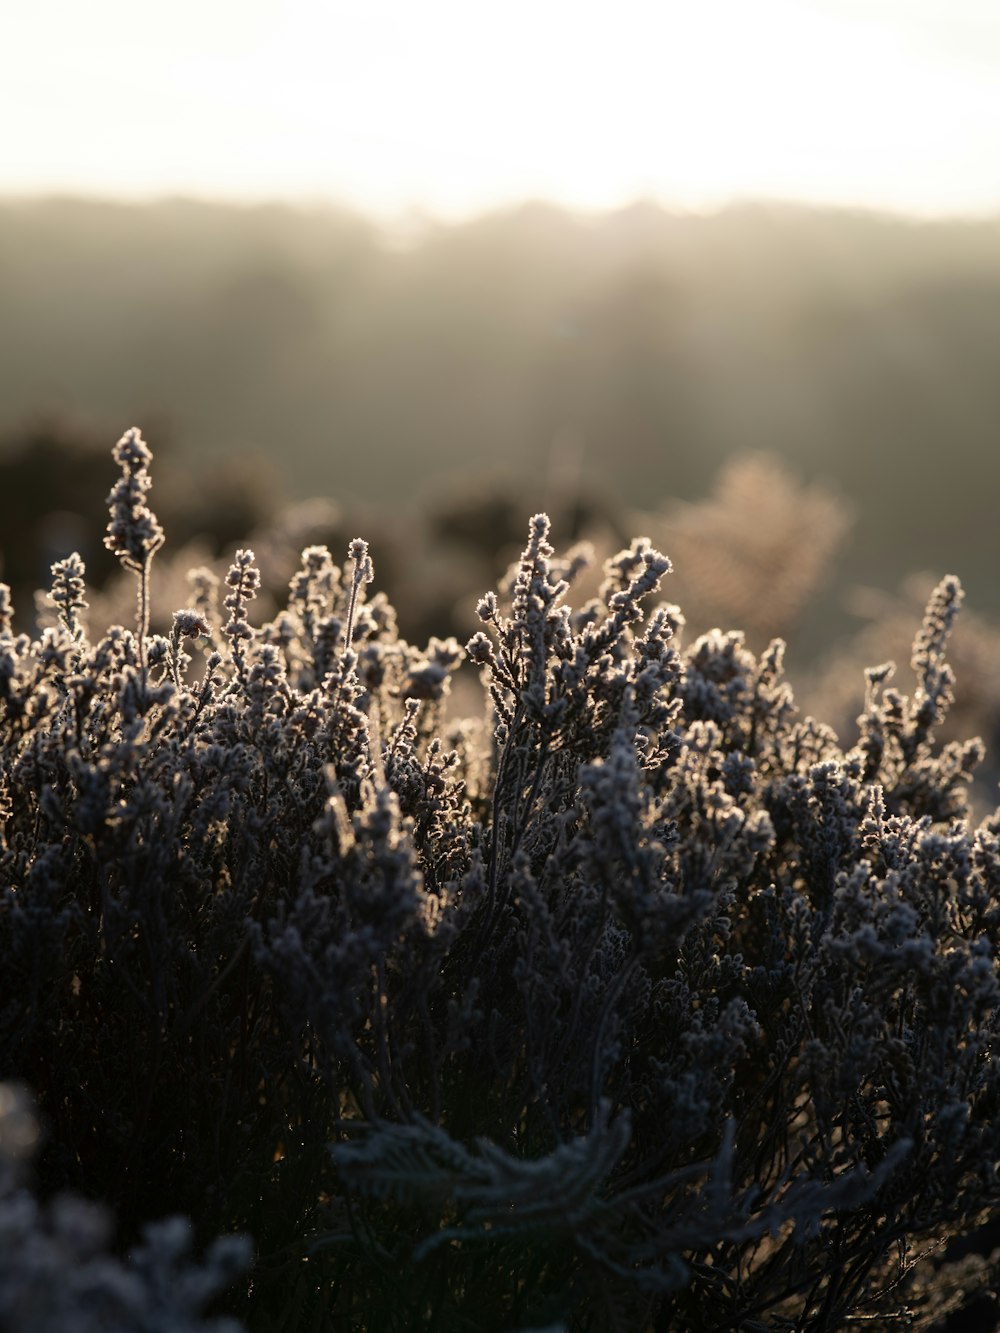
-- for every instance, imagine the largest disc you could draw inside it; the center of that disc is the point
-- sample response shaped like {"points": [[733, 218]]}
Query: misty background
{"points": [[532, 357]]}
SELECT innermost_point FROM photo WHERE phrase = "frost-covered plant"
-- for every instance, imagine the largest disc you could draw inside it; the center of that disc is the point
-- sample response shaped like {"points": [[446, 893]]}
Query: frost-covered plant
{"points": [[838, 690], [638, 1002], [134, 533]]}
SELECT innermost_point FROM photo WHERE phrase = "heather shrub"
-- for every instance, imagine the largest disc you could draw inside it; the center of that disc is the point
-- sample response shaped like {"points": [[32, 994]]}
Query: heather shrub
{"points": [[756, 550], [634, 1002], [836, 690]]}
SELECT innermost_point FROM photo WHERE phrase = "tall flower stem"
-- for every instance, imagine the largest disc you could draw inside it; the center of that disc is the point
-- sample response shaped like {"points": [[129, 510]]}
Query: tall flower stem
{"points": [[142, 617], [134, 533]]}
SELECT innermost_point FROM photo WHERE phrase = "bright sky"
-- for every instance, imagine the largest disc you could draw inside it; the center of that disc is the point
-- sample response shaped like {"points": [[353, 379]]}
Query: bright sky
{"points": [[456, 105]]}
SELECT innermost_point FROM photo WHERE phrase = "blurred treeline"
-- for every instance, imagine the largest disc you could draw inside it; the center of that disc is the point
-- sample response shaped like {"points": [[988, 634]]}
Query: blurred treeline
{"points": [[530, 358]]}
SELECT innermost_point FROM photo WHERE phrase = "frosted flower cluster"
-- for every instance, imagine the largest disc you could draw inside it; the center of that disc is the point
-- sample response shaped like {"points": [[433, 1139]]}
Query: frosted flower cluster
{"points": [[635, 1001]]}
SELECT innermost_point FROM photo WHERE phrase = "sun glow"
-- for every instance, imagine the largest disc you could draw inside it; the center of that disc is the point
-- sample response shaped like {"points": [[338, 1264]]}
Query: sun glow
{"points": [[453, 106]]}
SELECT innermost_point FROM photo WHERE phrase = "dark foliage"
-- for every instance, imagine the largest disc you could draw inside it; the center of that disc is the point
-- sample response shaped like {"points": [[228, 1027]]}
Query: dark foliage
{"points": [[636, 1003]]}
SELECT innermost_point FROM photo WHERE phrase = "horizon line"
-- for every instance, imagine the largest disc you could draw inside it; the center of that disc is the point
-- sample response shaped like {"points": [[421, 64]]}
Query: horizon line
{"points": [[418, 213]]}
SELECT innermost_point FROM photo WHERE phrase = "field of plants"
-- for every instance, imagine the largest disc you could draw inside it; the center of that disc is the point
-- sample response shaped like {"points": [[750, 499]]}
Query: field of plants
{"points": [[568, 978]]}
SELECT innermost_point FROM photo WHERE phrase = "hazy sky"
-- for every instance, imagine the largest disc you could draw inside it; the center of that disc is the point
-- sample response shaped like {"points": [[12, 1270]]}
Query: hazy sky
{"points": [[453, 105]]}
